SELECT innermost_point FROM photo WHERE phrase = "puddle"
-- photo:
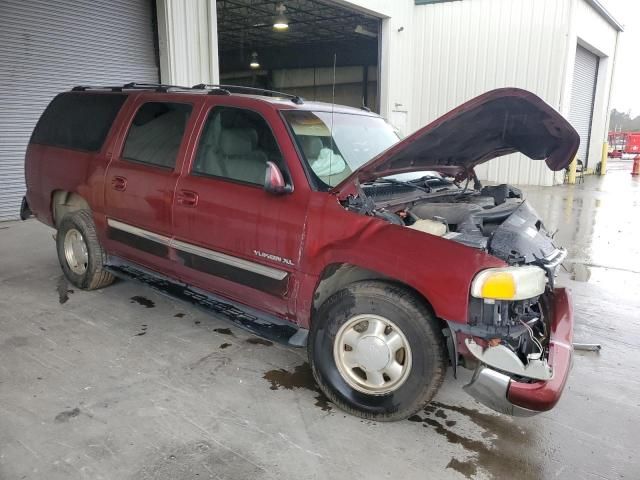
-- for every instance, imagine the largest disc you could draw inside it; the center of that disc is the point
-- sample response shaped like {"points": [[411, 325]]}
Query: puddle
{"points": [[179, 315], [301, 377], [501, 452], [63, 289], [579, 272], [225, 345], [197, 322], [224, 331], [465, 468], [144, 301], [65, 416], [259, 341], [143, 332]]}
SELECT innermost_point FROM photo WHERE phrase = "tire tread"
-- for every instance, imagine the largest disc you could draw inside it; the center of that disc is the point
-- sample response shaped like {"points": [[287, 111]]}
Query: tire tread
{"points": [[404, 297], [96, 277]]}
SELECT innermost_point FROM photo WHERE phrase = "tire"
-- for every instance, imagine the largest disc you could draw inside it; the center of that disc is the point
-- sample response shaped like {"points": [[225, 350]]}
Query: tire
{"points": [[423, 361], [79, 225]]}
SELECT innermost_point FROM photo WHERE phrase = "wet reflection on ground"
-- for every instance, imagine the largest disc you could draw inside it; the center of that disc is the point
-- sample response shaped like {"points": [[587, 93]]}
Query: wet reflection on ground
{"points": [[597, 221]]}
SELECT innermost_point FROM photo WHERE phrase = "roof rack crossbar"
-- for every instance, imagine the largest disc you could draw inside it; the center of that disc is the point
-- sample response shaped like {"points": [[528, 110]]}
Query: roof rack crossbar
{"points": [[260, 91]]}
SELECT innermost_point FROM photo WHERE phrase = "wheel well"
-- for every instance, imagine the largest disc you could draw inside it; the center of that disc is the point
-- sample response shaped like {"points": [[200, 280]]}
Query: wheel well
{"points": [[337, 276], [63, 202]]}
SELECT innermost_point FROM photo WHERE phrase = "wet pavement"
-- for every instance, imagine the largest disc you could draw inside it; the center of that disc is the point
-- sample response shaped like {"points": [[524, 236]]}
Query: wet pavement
{"points": [[124, 383]]}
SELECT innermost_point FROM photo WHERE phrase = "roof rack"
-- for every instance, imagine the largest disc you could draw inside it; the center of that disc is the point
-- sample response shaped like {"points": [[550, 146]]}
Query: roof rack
{"points": [[213, 89], [158, 87], [259, 91]]}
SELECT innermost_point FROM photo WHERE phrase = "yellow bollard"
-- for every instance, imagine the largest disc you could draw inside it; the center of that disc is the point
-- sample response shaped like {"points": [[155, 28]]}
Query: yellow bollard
{"points": [[605, 156], [571, 178]]}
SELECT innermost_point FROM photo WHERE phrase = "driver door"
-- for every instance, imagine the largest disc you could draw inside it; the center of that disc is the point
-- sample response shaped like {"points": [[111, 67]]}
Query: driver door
{"points": [[231, 236]]}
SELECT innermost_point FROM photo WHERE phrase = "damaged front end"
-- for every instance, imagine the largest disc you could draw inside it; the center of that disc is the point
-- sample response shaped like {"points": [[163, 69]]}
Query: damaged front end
{"points": [[514, 376], [513, 310], [519, 328]]}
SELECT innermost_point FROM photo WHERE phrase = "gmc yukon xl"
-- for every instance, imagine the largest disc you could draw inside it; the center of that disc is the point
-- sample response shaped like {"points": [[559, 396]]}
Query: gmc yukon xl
{"points": [[314, 225]]}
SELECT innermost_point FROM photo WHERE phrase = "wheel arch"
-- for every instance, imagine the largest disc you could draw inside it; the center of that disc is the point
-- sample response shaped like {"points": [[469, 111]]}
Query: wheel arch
{"points": [[63, 202], [337, 276]]}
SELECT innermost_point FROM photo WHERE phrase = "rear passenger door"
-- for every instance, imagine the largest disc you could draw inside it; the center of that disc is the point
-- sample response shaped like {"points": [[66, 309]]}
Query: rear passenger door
{"points": [[141, 179], [230, 235]]}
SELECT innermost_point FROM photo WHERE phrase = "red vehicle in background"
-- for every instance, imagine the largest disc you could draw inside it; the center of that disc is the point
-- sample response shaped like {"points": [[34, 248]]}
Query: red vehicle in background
{"points": [[632, 145], [624, 143], [315, 225]]}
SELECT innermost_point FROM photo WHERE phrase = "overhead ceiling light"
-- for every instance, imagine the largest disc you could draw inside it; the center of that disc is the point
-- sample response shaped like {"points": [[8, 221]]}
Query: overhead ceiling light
{"points": [[363, 31], [254, 60], [280, 21]]}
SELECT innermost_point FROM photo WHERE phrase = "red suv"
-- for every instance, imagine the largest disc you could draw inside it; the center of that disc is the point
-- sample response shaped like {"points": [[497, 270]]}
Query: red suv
{"points": [[314, 224]]}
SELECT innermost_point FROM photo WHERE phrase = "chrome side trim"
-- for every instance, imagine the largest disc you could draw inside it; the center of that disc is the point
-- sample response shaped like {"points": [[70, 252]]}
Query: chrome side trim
{"points": [[253, 267], [490, 387], [229, 260], [156, 237]]}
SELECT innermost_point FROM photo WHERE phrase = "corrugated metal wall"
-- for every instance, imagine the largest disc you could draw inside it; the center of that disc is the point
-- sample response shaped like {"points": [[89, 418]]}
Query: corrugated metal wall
{"points": [[583, 92], [47, 47], [465, 48]]}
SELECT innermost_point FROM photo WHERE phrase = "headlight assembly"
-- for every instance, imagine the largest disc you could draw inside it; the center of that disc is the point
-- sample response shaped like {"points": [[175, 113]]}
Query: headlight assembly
{"points": [[509, 283]]}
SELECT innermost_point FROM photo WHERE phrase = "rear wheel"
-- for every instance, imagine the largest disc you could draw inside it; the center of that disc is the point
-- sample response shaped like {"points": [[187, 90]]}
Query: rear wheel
{"points": [[377, 351], [81, 256]]}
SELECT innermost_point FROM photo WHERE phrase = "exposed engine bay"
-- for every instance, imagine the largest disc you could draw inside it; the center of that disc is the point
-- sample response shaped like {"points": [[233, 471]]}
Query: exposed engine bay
{"points": [[494, 219]]}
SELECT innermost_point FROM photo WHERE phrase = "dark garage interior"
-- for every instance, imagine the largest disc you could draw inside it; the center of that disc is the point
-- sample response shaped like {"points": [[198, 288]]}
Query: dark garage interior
{"points": [[299, 58]]}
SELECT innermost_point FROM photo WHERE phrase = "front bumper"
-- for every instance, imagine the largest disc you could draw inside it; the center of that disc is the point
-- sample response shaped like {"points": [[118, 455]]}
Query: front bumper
{"points": [[506, 395]]}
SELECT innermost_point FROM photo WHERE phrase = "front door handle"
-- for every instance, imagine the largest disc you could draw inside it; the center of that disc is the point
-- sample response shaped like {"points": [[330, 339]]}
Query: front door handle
{"points": [[119, 183], [187, 198]]}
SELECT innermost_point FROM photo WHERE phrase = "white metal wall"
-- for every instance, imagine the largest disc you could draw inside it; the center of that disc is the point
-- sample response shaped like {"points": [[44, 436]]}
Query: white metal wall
{"points": [[435, 57], [469, 47], [48, 47], [592, 31], [188, 35], [585, 73]]}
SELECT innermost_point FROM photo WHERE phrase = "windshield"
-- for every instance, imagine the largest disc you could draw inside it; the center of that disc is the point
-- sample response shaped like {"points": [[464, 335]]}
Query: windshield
{"points": [[356, 140]]}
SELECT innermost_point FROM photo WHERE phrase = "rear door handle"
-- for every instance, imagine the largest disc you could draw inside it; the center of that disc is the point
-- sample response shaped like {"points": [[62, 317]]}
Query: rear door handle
{"points": [[119, 183], [187, 198]]}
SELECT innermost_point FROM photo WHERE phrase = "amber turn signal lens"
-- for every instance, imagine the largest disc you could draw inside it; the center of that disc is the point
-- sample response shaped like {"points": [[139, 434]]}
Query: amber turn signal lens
{"points": [[499, 286], [509, 283]]}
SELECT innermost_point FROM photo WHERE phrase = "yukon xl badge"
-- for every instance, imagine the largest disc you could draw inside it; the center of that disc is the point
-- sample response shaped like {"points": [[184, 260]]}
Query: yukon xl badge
{"points": [[273, 258]]}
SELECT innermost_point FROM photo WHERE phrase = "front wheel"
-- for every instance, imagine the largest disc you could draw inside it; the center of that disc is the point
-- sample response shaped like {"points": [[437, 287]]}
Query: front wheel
{"points": [[376, 351]]}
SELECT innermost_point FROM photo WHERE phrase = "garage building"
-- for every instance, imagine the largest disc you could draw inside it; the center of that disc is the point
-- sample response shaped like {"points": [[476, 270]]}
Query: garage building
{"points": [[409, 60]]}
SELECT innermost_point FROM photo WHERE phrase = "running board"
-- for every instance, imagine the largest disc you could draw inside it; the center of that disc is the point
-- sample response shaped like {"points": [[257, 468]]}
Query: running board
{"points": [[258, 323]]}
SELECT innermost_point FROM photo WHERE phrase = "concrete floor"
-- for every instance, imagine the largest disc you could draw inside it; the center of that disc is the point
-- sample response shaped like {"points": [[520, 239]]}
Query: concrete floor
{"points": [[126, 384]]}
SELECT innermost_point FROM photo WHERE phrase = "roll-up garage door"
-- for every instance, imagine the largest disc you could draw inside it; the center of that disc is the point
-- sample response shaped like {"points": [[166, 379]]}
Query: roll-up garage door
{"points": [[48, 47], [582, 97]]}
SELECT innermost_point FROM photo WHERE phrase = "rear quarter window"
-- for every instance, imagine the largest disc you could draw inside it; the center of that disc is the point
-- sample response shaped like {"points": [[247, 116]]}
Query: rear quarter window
{"points": [[78, 121]]}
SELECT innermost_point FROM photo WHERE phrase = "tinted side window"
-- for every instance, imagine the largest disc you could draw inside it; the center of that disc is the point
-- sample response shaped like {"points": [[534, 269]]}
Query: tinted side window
{"points": [[236, 144], [79, 121], [156, 133]]}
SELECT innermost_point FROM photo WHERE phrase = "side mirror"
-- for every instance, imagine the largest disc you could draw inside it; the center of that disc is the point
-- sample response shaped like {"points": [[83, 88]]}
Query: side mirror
{"points": [[274, 180]]}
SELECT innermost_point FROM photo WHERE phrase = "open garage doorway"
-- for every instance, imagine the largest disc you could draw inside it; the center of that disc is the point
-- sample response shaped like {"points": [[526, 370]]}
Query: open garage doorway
{"points": [[291, 46]]}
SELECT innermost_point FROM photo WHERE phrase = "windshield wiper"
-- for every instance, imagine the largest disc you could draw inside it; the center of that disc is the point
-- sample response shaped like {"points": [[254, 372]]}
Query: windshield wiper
{"points": [[393, 181]]}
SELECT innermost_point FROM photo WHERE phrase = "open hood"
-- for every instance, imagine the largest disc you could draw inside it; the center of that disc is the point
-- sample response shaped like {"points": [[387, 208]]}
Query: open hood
{"points": [[494, 124]]}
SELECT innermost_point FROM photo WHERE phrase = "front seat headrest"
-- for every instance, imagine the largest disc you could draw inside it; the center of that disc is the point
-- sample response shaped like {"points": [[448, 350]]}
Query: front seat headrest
{"points": [[311, 146], [237, 141]]}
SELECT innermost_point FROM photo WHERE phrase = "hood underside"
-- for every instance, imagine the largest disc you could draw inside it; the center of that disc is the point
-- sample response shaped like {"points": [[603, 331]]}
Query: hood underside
{"points": [[497, 123]]}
